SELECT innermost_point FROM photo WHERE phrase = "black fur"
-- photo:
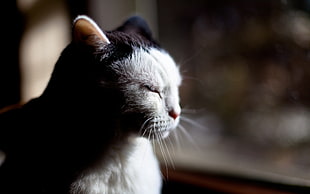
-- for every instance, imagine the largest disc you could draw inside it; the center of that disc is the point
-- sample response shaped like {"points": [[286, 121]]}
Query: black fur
{"points": [[49, 140]]}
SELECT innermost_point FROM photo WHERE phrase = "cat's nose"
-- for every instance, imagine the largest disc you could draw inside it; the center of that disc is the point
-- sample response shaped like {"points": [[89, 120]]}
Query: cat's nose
{"points": [[174, 114]]}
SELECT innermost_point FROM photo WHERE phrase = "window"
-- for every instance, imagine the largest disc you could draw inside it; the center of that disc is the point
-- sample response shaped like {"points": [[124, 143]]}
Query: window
{"points": [[245, 94]]}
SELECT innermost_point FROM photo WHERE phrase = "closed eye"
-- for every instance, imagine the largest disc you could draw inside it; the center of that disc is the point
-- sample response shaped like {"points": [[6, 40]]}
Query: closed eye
{"points": [[153, 89]]}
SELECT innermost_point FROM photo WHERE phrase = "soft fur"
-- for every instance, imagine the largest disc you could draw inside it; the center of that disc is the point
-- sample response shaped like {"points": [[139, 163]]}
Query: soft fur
{"points": [[88, 133]]}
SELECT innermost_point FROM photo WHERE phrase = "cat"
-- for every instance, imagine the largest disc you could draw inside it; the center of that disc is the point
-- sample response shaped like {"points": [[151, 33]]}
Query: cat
{"points": [[89, 132]]}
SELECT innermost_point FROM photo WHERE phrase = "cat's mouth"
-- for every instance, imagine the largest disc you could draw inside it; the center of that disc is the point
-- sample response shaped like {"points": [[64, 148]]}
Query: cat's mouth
{"points": [[157, 128]]}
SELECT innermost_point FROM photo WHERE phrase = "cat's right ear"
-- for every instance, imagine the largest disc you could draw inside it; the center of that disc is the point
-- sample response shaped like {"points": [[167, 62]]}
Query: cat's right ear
{"points": [[86, 31], [136, 25]]}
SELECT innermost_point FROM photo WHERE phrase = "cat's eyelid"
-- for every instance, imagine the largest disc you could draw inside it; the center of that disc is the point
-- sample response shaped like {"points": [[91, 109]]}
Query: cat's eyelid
{"points": [[153, 89]]}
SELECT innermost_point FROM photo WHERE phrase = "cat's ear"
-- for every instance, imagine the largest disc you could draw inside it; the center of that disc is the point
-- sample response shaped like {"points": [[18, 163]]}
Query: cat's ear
{"points": [[86, 31], [137, 25]]}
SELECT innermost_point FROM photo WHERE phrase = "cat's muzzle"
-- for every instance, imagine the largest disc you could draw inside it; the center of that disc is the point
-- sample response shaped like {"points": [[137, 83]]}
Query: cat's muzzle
{"points": [[158, 128]]}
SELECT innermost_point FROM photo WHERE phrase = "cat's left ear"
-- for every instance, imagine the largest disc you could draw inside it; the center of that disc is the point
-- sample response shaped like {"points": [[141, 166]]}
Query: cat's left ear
{"points": [[86, 31]]}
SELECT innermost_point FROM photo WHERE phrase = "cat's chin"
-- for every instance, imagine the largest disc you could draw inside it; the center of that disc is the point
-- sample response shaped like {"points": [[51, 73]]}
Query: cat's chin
{"points": [[154, 136], [164, 134], [161, 134]]}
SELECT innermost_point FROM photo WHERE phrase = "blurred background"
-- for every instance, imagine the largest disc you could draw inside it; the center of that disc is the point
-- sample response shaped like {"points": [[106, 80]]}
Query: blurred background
{"points": [[246, 87]]}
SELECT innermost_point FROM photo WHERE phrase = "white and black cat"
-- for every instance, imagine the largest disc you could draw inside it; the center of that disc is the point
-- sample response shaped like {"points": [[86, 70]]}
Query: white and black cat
{"points": [[88, 133]]}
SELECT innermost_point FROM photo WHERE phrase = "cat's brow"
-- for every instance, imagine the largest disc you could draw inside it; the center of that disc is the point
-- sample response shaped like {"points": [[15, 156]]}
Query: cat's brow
{"points": [[166, 68]]}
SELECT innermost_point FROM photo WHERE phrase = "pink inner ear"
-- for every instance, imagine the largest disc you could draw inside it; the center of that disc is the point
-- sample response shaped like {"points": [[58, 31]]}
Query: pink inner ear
{"points": [[85, 27]]}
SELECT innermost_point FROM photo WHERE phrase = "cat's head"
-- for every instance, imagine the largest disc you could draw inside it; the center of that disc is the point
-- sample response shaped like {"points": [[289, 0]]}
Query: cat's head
{"points": [[144, 74]]}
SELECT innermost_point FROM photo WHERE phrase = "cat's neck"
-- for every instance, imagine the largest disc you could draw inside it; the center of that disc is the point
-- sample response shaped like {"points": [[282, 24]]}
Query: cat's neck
{"points": [[122, 164]]}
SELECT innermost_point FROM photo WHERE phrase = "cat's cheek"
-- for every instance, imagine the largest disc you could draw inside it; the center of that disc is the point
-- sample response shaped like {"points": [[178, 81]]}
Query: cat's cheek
{"points": [[156, 103]]}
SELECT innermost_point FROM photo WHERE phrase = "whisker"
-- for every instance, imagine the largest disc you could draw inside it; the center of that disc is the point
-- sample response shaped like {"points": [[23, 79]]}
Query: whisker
{"points": [[168, 152], [189, 137], [162, 152], [153, 143], [155, 139], [145, 151], [150, 132], [171, 145], [195, 54], [175, 136], [189, 111], [168, 157], [186, 77], [144, 132], [192, 111], [192, 122], [142, 127]]}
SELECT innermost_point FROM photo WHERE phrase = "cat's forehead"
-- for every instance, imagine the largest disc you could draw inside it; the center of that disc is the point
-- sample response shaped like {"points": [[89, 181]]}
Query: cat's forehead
{"points": [[149, 66], [166, 65], [153, 66]]}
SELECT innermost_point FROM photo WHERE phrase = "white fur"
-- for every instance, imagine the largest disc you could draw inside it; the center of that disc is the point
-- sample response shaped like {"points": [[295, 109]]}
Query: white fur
{"points": [[171, 77], [128, 168]]}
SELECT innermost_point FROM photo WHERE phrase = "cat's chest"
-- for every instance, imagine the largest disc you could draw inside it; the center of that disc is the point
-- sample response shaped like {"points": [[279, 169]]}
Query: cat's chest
{"points": [[132, 169]]}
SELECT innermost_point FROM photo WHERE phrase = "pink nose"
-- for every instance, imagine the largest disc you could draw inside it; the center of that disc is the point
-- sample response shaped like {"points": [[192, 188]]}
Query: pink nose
{"points": [[174, 114]]}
